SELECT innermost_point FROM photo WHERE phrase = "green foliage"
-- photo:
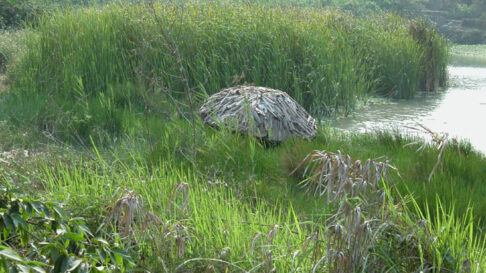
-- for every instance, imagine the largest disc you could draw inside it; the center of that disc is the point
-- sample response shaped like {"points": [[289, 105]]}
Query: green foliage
{"points": [[39, 237], [190, 226], [457, 9], [12, 45], [185, 198], [15, 12], [221, 209], [370, 223], [238, 191]]}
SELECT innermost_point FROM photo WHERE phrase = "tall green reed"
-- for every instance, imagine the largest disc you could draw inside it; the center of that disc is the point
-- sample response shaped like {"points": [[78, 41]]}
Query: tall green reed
{"points": [[326, 59]]}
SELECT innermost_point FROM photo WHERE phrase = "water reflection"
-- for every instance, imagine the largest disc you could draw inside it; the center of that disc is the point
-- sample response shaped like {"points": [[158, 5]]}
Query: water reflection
{"points": [[459, 111]]}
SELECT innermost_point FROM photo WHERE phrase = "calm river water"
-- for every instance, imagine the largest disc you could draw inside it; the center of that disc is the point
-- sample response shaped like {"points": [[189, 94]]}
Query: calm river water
{"points": [[459, 111]]}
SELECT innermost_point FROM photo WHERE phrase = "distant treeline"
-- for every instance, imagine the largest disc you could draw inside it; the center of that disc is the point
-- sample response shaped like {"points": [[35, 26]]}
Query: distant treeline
{"points": [[462, 21], [14, 11], [445, 13]]}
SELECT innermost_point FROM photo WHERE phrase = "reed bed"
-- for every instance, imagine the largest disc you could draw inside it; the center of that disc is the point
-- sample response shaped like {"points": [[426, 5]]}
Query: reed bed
{"points": [[100, 63], [12, 45]]}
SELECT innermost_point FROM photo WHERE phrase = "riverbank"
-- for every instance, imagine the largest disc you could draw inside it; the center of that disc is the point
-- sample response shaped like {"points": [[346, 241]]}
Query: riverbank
{"points": [[437, 111]]}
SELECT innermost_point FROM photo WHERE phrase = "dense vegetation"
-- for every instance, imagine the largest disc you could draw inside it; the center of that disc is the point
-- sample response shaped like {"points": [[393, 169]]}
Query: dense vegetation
{"points": [[462, 21], [238, 206], [16, 13], [98, 63], [99, 116], [456, 9]]}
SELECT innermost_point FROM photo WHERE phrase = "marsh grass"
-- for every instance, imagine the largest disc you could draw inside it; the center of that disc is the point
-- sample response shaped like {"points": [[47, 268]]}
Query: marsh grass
{"points": [[354, 187], [239, 208], [90, 71], [435, 55], [442, 141], [367, 216], [195, 219], [12, 45]]}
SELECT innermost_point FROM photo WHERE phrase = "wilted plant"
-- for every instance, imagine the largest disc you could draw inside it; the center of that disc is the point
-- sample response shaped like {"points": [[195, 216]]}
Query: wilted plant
{"points": [[133, 220], [339, 176], [370, 232], [354, 187], [442, 140], [267, 250], [125, 211]]}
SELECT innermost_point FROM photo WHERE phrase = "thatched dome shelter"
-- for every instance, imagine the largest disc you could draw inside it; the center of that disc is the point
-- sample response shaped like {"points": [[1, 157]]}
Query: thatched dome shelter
{"points": [[262, 112]]}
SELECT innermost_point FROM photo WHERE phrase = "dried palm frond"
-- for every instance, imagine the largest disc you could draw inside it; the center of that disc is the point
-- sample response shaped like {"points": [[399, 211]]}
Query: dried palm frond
{"points": [[125, 211], [258, 111]]}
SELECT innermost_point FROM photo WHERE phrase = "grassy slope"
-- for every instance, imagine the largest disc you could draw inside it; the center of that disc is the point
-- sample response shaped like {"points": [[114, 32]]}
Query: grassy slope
{"points": [[240, 189]]}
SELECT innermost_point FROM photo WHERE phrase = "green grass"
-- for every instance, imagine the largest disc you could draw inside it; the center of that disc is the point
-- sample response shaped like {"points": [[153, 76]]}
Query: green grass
{"points": [[239, 190], [12, 45], [215, 218]]}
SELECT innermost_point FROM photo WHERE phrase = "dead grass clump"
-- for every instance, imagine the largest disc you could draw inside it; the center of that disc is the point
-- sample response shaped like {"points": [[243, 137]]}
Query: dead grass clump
{"points": [[338, 176], [367, 221], [442, 140], [125, 211], [140, 226]]}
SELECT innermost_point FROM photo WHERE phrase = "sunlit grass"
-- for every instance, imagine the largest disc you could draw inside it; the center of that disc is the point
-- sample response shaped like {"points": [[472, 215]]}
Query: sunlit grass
{"points": [[12, 45], [238, 191]]}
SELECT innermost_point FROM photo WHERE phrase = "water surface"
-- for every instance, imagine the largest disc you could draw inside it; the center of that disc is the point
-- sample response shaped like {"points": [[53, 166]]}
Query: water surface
{"points": [[459, 111]]}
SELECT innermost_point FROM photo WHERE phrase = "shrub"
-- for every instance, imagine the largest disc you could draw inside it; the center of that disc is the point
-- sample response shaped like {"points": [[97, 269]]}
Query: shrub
{"points": [[39, 236], [14, 13]]}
